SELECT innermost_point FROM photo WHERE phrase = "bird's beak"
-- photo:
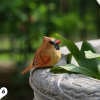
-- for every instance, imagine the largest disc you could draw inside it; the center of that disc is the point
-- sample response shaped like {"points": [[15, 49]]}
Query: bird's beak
{"points": [[57, 41]]}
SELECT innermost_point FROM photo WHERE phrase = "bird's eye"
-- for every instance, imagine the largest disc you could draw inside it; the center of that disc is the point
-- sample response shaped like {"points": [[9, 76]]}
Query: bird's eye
{"points": [[52, 42]]}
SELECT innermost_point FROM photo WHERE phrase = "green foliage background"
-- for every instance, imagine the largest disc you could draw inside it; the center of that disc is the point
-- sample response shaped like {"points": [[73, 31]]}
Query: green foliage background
{"points": [[24, 22]]}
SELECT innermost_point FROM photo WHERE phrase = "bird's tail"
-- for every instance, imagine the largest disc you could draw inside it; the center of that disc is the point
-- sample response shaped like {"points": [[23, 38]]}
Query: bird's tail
{"points": [[27, 69]]}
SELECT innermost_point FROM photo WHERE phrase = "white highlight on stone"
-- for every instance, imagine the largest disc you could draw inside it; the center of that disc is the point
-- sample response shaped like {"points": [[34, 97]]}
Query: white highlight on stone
{"points": [[98, 1], [3, 92]]}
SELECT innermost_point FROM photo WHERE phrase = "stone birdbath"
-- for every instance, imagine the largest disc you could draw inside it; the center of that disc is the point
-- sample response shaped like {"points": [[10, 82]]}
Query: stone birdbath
{"points": [[50, 86]]}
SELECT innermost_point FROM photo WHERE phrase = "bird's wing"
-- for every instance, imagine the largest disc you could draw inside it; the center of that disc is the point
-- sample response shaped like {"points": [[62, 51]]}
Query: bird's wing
{"points": [[45, 58], [41, 59]]}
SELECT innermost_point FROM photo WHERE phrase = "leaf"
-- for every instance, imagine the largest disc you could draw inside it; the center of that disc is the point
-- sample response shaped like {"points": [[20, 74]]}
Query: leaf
{"points": [[90, 55], [58, 69], [87, 46], [70, 45], [74, 69], [92, 64], [79, 56], [69, 57]]}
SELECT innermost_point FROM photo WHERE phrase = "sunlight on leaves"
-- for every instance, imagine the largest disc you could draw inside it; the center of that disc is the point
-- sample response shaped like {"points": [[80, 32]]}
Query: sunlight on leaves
{"points": [[90, 55]]}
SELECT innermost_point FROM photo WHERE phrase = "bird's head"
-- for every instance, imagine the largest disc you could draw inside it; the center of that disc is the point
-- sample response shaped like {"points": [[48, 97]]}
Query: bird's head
{"points": [[52, 42]]}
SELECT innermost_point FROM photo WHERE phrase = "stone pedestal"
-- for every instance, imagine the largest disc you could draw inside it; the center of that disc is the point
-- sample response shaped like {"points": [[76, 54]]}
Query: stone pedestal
{"points": [[49, 86]]}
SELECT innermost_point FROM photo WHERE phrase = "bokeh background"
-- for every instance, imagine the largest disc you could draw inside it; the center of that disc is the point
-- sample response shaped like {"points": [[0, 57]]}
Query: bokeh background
{"points": [[22, 26]]}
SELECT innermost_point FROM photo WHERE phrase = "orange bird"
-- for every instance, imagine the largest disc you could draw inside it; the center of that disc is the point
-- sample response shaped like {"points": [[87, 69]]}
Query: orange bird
{"points": [[47, 55]]}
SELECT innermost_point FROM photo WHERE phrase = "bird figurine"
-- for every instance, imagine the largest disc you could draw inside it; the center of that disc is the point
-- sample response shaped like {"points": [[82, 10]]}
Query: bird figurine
{"points": [[47, 55]]}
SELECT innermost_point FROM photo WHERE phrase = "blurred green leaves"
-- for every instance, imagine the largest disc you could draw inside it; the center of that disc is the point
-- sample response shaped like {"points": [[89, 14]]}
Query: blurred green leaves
{"points": [[69, 23], [36, 16]]}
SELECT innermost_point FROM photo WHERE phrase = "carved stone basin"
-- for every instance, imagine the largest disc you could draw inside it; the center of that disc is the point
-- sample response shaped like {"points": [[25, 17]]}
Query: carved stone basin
{"points": [[49, 86]]}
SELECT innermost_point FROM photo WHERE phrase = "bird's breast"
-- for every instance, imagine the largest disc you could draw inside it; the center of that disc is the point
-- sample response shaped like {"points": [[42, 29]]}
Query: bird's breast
{"points": [[56, 56]]}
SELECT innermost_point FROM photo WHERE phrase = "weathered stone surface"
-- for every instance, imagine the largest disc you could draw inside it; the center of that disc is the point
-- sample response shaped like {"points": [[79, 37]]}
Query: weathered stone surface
{"points": [[49, 86]]}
